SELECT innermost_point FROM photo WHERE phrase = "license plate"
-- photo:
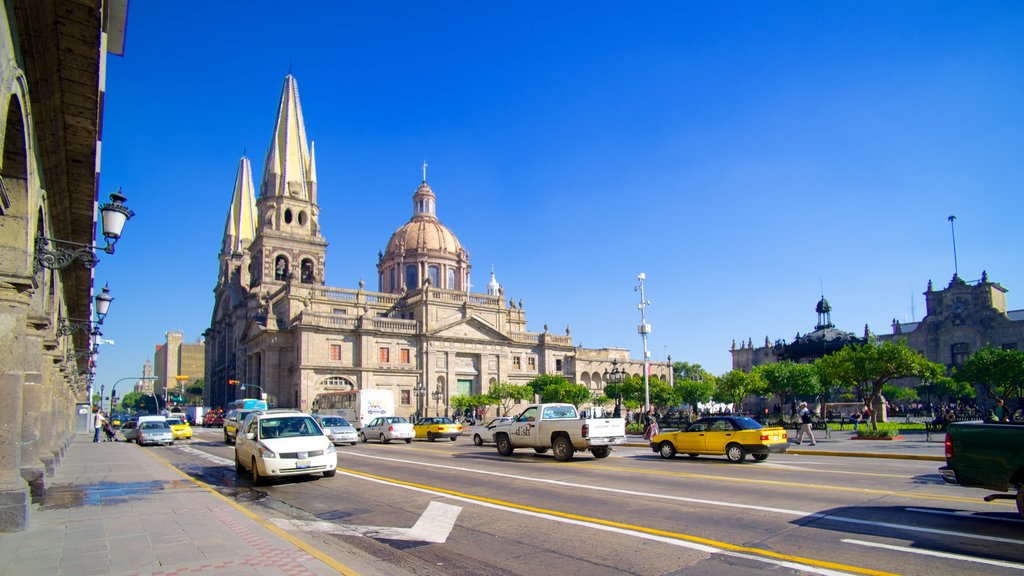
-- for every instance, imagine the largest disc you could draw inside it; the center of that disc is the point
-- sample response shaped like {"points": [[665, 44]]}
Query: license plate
{"points": [[302, 464], [775, 438]]}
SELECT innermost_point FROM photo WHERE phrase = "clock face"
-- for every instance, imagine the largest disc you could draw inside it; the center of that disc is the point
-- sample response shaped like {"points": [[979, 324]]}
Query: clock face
{"points": [[958, 307]]}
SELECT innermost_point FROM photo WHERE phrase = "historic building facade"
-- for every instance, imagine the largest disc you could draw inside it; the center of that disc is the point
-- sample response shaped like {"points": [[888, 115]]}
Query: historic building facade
{"points": [[276, 325], [176, 358], [52, 63]]}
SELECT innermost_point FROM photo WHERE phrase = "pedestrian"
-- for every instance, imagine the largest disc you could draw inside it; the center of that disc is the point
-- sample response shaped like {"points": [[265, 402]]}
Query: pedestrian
{"points": [[1001, 413], [855, 417], [806, 424], [652, 426], [97, 421]]}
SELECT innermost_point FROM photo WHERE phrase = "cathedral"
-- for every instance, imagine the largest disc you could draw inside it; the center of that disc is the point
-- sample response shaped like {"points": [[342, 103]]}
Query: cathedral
{"points": [[423, 335]]}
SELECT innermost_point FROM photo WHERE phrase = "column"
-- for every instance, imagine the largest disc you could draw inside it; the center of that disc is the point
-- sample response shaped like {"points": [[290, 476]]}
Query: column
{"points": [[14, 494]]}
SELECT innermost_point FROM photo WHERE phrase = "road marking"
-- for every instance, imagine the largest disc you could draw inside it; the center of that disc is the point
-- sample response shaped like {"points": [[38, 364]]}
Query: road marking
{"points": [[674, 538], [433, 526], [717, 503], [205, 455], [964, 514], [937, 554]]}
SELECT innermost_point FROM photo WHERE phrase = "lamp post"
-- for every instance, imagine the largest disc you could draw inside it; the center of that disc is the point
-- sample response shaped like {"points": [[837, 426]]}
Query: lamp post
{"points": [[421, 392], [114, 214], [263, 393], [644, 329], [181, 379], [113, 387], [437, 395], [617, 375]]}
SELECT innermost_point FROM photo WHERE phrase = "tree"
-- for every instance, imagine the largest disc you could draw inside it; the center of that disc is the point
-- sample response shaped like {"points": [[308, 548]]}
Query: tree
{"points": [[566, 391], [505, 395], [687, 371], [950, 389], [788, 380], [895, 393], [736, 385], [466, 403], [542, 381], [137, 401], [868, 367], [1000, 373], [694, 392]]}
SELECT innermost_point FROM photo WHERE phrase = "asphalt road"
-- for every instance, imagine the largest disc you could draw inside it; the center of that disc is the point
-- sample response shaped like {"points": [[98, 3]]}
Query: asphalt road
{"points": [[453, 508]]}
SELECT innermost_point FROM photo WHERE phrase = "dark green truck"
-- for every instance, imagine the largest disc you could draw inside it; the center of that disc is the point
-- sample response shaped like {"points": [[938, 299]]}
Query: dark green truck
{"points": [[987, 455]]}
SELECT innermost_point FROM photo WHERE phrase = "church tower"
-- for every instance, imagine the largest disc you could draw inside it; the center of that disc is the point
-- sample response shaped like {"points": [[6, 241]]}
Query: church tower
{"points": [[288, 246], [239, 230]]}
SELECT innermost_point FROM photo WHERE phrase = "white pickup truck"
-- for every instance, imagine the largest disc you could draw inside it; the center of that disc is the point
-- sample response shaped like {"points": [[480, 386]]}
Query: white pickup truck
{"points": [[559, 427]]}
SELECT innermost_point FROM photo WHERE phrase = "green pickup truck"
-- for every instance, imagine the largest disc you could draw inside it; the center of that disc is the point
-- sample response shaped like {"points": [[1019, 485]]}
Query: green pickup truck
{"points": [[986, 455]]}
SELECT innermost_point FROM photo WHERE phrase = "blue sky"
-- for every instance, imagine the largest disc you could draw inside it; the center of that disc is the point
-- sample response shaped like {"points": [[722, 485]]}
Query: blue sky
{"points": [[744, 155]]}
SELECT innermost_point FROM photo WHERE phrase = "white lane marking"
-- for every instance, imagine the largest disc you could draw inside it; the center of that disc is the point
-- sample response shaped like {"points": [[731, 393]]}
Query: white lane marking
{"points": [[964, 514], [937, 554], [625, 531], [206, 455], [434, 525], [718, 503]]}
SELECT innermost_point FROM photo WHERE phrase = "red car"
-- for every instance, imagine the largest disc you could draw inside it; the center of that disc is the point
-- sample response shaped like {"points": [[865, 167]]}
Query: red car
{"points": [[213, 418]]}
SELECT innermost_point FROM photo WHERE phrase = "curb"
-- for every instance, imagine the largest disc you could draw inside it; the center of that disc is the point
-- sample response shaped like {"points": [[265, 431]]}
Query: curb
{"points": [[926, 457]]}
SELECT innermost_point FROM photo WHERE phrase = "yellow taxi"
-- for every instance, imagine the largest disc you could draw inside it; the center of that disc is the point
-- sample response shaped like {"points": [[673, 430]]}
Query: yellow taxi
{"points": [[439, 427], [179, 427], [733, 436]]}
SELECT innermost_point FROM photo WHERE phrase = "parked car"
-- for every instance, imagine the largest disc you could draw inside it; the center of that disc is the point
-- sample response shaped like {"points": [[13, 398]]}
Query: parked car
{"points": [[154, 432], [439, 427], [130, 427], [180, 428], [558, 427], [214, 418], [733, 436], [487, 434], [388, 428], [283, 443], [338, 429], [987, 455], [232, 423]]}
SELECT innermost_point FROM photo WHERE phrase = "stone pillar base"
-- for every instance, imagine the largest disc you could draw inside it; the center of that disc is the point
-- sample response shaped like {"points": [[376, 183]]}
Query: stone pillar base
{"points": [[35, 476], [50, 463], [14, 508]]}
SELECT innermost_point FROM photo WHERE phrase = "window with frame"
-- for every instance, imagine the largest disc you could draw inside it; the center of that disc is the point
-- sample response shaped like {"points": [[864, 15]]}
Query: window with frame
{"points": [[405, 355], [517, 362], [406, 397], [385, 355], [335, 352], [531, 362], [558, 364], [959, 353]]}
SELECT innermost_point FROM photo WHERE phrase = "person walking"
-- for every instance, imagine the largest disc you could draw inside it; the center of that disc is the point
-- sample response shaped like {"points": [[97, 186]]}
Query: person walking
{"points": [[97, 421], [1001, 413], [806, 424]]}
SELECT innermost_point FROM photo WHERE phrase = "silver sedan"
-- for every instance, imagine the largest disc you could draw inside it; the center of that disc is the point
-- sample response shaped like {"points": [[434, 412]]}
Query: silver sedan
{"points": [[337, 429]]}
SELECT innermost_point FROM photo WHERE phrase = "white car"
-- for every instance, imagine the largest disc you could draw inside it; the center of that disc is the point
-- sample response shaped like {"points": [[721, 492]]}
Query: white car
{"points": [[337, 429], [388, 428], [487, 434], [283, 443]]}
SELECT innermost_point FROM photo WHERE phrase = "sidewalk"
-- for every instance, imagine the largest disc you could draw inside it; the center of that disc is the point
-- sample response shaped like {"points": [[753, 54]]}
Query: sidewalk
{"points": [[911, 446], [113, 508]]}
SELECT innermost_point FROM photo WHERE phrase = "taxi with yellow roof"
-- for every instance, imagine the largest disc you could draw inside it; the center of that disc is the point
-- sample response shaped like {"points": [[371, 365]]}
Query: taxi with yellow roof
{"points": [[437, 427], [731, 436], [179, 427]]}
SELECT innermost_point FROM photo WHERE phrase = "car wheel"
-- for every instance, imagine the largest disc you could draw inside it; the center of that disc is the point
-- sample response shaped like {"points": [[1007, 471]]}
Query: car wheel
{"points": [[601, 451], [362, 437], [760, 457], [541, 450], [329, 473], [692, 455], [383, 439], [505, 447], [667, 449], [430, 436], [735, 453], [478, 440], [239, 468], [452, 438], [257, 480], [563, 449], [226, 439], [408, 440], [353, 443]]}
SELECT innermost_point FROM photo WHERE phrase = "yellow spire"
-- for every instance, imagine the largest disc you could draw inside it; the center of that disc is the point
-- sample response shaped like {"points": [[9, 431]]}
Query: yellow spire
{"points": [[288, 159], [240, 228]]}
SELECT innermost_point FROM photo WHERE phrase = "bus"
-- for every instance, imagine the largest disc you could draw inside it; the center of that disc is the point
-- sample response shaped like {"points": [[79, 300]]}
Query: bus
{"points": [[247, 404], [356, 406]]}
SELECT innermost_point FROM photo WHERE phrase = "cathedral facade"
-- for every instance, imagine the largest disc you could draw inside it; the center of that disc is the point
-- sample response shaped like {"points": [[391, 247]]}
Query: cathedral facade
{"points": [[422, 334]]}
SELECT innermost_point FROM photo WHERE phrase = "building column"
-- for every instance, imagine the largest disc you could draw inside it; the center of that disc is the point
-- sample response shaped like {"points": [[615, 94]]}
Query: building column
{"points": [[14, 494]]}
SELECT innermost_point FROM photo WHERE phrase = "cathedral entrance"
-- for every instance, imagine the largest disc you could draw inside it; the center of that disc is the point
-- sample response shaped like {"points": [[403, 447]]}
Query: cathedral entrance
{"points": [[464, 387]]}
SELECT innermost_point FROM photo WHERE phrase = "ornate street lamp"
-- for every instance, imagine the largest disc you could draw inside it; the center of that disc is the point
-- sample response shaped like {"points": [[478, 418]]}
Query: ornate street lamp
{"points": [[421, 392], [114, 215], [617, 375], [437, 395]]}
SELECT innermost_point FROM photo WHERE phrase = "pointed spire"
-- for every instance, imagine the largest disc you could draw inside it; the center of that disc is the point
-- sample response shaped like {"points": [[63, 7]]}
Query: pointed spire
{"points": [[311, 172], [240, 228], [288, 161], [493, 288]]}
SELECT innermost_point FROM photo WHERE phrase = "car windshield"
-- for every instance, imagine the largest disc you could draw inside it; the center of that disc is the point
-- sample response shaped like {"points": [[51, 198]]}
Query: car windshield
{"points": [[745, 423], [289, 427], [334, 421], [152, 426], [396, 420], [560, 412], [174, 422], [242, 414]]}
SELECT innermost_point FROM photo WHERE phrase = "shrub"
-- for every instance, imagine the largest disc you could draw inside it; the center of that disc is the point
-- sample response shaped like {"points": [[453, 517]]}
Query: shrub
{"points": [[885, 430]]}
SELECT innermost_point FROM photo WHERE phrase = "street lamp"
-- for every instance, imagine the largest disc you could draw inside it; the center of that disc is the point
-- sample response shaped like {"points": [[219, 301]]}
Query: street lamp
{"points": [[263, 393], [113, 387], [437, 395], [420, 391], [114, 214], [617, 375], [644, 329]]}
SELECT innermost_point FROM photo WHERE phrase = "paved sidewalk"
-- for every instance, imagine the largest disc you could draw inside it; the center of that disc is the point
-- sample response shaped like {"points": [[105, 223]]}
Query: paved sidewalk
{"points": [[112, 508]]}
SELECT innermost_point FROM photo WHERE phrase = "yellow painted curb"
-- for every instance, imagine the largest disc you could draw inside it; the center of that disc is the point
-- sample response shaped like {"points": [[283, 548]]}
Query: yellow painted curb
{"points": [[927, 457]]}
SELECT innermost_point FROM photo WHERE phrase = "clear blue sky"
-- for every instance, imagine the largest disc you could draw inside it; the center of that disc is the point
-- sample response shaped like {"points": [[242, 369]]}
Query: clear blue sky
{"points": [[742, 154]]}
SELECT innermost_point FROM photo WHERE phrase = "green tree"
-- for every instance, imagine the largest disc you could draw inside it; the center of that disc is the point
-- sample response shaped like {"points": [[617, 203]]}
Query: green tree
{"points": [[662, 395], [868, 367], [687, 371], [505, 395], [895, 393], [613, 390], [693, 392], [950, 389], [542, 381], [736, 385], [575, 394], [471, 403], [787, 380], [137, 401], [1000, 373]]}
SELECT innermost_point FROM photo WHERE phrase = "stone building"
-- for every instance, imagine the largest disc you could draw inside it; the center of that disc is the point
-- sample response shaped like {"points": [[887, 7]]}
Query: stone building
{"points": [[176, 358], [52, 65], [276, 325]]}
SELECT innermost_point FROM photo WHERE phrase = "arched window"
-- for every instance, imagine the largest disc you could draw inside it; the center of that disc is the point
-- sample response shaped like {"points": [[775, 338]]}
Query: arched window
{"points": [[434, 273], [307, 271], [412, 277], [451, 279], [281, 268]]}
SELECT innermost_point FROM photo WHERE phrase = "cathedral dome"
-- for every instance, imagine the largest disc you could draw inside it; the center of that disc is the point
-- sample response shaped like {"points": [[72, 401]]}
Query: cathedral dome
{"points": [[424, 232]]}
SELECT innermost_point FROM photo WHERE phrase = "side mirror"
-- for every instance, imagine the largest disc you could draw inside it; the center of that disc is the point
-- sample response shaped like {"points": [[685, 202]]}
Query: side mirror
{"points": [[250, 435]]}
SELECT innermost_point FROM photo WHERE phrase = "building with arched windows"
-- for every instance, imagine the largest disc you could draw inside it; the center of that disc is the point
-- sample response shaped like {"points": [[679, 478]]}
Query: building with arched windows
{"points": [[422, 334]]}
